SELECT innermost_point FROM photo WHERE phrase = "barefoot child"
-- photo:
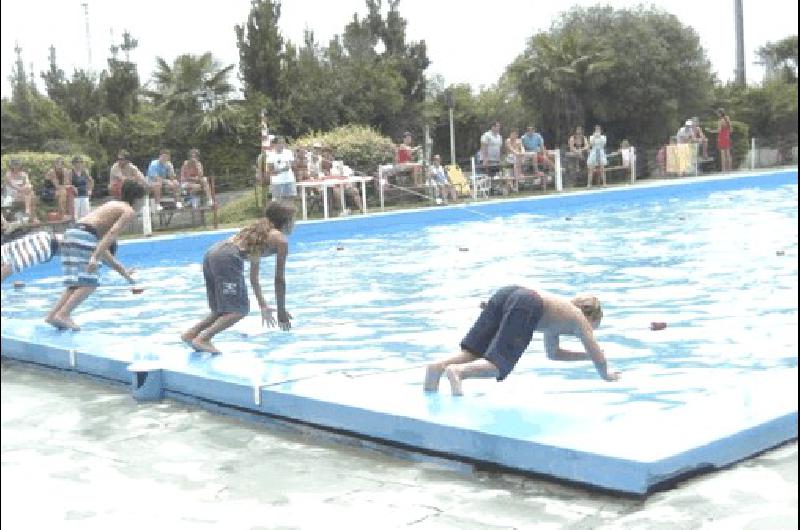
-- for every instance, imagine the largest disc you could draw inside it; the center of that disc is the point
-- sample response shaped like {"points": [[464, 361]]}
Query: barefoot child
{"points": [[92, 240], [223, 270], [505, 327]]}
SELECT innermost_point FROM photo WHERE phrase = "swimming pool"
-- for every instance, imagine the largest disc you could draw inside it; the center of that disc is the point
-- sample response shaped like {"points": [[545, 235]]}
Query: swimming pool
{"points": [[375, 298]]}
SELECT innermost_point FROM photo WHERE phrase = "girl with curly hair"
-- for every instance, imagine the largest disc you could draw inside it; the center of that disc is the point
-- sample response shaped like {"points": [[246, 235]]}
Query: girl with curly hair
{"points": [[223, 271]]}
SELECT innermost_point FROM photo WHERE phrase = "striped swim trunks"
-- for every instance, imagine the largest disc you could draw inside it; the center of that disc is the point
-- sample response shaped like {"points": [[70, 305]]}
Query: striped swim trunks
{"points": [[76, 250], [29, 250]]}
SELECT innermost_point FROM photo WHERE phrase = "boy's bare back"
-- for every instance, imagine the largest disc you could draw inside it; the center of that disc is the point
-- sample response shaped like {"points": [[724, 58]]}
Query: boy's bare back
{"points": [[104, 217]]}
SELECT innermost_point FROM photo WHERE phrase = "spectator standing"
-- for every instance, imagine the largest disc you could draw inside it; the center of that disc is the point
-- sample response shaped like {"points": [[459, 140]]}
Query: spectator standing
{"points": [[578, 151], [724, 140], [19, 189], [279, 164], [685, 134], [58, 176], [160, 173], [192, 177], [82, 187], [314, 160], [596, 163], [492, 149], [123, 171], [514, 153]]}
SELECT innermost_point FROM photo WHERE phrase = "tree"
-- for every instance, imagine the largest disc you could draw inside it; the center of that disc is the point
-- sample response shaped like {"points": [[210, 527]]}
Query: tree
{"points": [[192, 97], [399, 60], [261, 50], [83, 97], [779, 59], [120, 86], [55, 80], [638, 72], [30, 119], [41, 122]]}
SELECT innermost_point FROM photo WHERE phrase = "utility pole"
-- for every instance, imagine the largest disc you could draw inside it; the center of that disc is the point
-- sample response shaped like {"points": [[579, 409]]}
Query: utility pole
{"points": [[741, 78], [449, 99], [88, 40]]}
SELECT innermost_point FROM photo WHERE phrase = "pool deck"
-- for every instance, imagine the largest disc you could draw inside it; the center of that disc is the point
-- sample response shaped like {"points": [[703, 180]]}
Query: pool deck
{"points": [[634, 436]]}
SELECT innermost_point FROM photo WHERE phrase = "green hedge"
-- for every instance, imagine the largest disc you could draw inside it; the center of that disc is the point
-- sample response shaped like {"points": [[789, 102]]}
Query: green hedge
{"points": [[360, 147], [242, 209], [36, 165]]}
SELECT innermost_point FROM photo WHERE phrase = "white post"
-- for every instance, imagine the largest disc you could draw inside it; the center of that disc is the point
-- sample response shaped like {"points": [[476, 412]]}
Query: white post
{"points": [[559, 181], [303, 200], [474, 180], [380, 184], [633, 165], [364, 195], [147, 223], [752, 153], [452, 140]]}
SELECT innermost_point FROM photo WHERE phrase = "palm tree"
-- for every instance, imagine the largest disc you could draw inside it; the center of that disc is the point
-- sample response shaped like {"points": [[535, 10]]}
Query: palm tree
{"points": [[558, 71], [194, 89], [102, 126]]}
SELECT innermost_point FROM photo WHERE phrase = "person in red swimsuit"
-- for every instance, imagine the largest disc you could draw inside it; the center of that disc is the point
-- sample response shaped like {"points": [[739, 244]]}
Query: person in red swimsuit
{"points": [[724, 140]]}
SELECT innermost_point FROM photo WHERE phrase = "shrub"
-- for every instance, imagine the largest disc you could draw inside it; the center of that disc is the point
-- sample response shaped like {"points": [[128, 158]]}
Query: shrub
{"points": [[37, 164], [242, 209], [360, 147]]}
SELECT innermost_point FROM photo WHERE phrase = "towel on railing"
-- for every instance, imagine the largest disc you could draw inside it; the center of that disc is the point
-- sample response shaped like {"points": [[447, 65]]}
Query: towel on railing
{"points": [[680, 158]]}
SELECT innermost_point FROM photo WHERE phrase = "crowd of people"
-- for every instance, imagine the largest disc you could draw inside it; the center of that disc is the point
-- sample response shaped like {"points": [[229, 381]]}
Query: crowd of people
{"points": [[160, 176], [509, 161], [688, 147], [71, 189]]}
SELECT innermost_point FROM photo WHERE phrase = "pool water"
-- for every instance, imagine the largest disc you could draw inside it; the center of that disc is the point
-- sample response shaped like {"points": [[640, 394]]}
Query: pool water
{"points": [[709, 266]]}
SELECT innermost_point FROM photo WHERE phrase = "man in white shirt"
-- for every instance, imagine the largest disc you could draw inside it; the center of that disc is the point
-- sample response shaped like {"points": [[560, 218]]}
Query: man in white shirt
{"points": [[282, 183], [686, 133], [491, 149]]}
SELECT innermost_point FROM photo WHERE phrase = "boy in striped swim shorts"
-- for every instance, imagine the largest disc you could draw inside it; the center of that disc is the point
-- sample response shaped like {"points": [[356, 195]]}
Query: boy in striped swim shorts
{"points": [[92, 240]]}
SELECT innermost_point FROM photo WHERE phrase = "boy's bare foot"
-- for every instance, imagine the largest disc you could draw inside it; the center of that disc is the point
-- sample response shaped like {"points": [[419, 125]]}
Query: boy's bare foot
{"points": [[56, 324], [433, 372], [204, 345], [455, 380], [64, 323], [187, 338]]}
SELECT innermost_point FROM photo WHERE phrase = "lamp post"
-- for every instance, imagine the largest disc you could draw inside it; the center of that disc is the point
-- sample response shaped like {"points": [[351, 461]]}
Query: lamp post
{"points": [[450, 101]]}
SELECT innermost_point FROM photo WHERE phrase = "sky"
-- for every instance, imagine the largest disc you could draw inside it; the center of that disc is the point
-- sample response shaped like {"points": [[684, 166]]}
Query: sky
{"points": [[469, 41]]}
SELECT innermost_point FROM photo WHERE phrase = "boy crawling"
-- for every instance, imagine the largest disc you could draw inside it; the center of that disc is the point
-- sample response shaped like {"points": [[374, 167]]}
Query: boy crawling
{"points": [[505, 328]]}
